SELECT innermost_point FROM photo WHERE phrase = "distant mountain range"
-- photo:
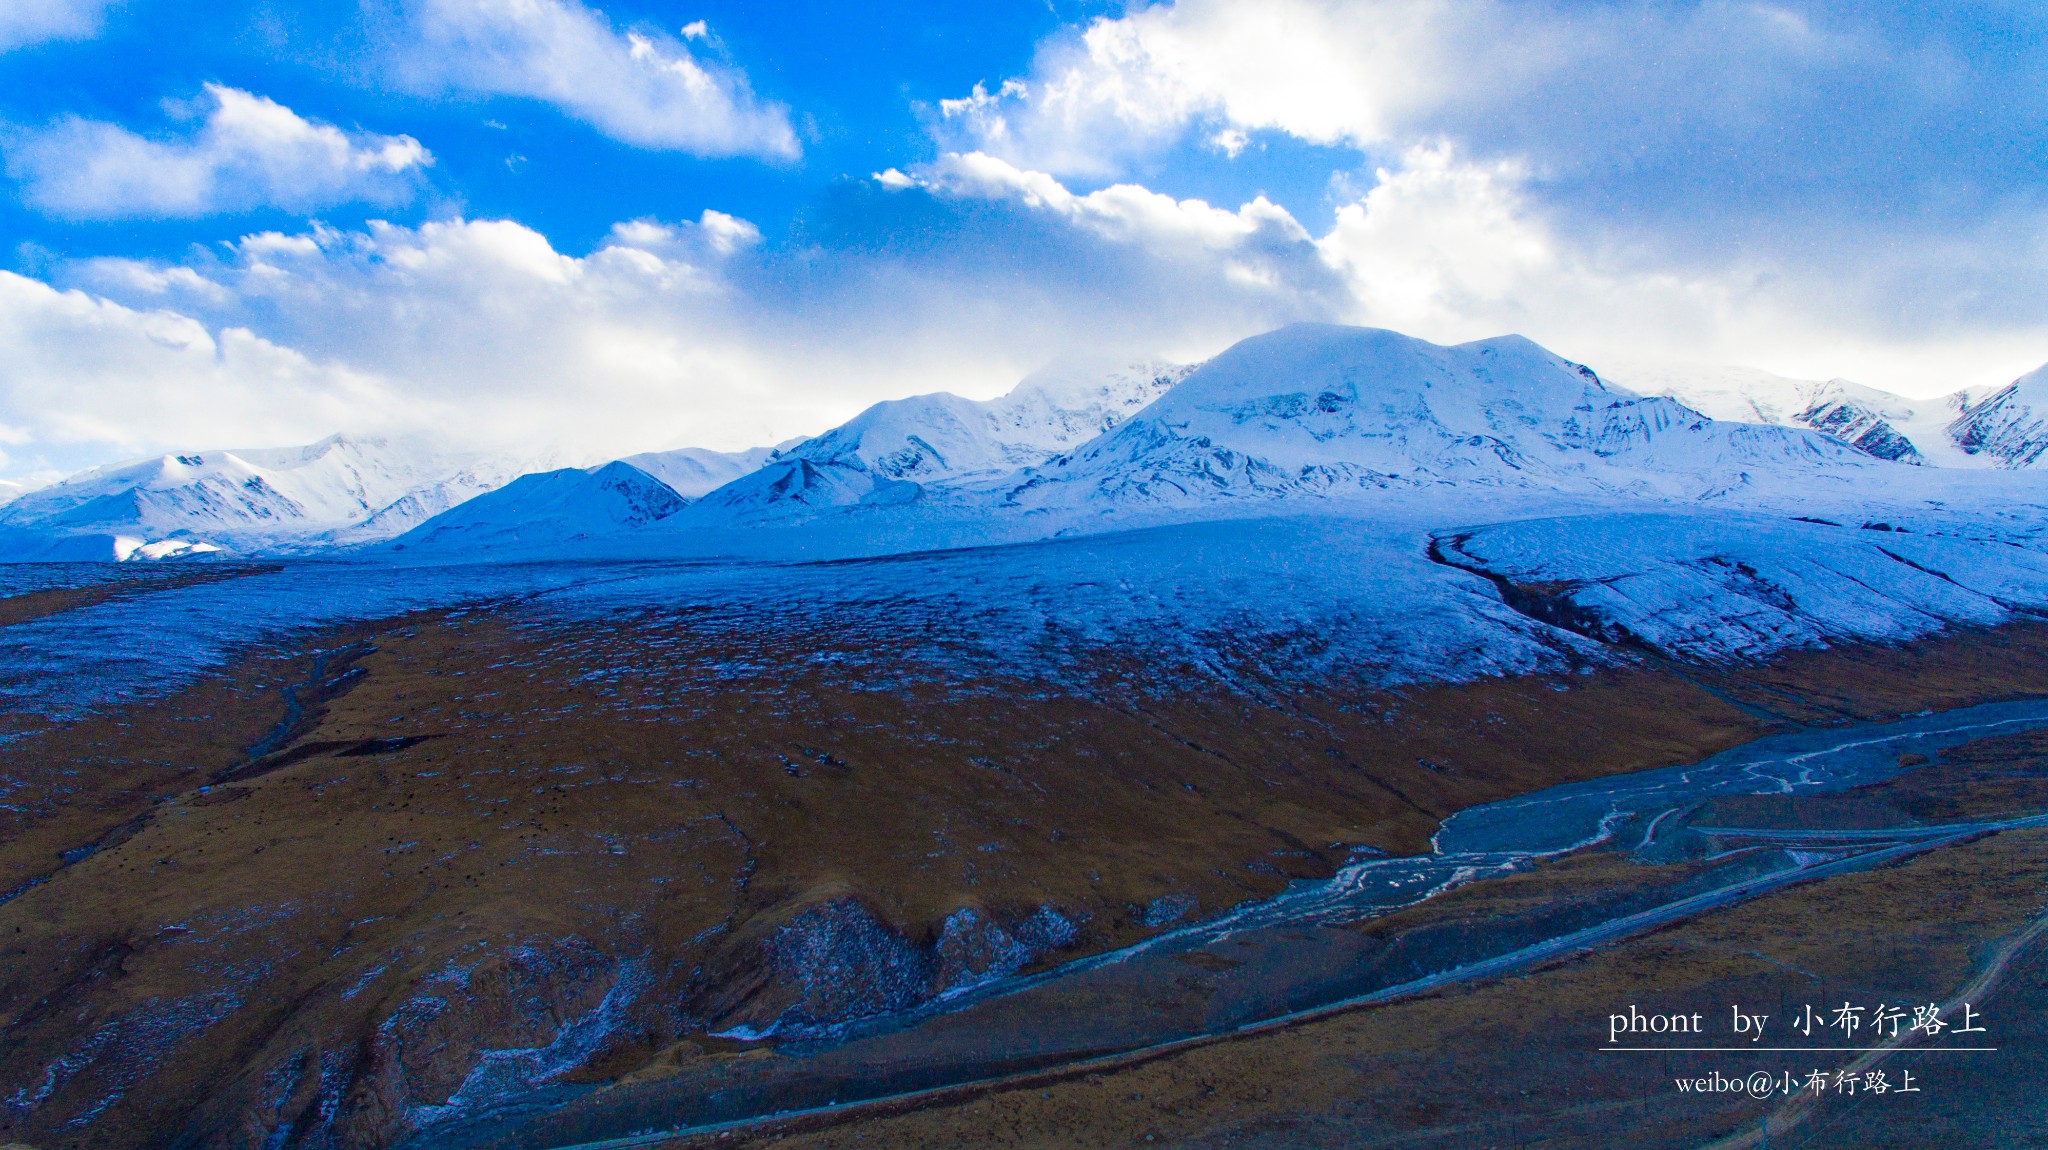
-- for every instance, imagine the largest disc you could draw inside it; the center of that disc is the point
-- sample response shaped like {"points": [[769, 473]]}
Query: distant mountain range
{"points": [[893, 451], [1317, 410], [339, 490], [2004, 427], [342, 492], [1306, 412], [889, 453]]}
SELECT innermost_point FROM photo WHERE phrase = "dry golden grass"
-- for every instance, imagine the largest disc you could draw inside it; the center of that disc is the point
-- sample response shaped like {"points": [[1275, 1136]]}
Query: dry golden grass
{"points": [[1515, 1063]]}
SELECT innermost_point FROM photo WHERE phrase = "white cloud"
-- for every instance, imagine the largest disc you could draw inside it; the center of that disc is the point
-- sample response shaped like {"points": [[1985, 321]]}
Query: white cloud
{"points": [[1752, 180], [640, 87], [26, 22], [82, 372], [482, 333], [961, 274], [1453, 250], [249, 152], [667, 334], [1449, 250], [727, 234], [1367, 73], [1326, 72], [1251, 245]]}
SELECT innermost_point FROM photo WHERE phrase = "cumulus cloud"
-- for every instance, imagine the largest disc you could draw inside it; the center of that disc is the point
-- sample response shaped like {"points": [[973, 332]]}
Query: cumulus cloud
{"points": [[1355, 74], [1675, 163], [1569, 81], [638, 86], [1248, 244], [1323, 71], [87, 380], [481, 333], [26, 22], [1454, 249], [963, 277], [247, 152], [1691, 127], [960, 274]]}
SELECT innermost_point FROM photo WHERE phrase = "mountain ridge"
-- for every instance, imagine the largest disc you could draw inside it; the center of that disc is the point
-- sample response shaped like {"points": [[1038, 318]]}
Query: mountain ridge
{"points": [[1303, 413]]}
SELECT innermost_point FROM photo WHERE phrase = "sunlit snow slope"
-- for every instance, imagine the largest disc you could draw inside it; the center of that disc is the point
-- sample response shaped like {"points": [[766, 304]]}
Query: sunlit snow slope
{"points": [[209, 500]]}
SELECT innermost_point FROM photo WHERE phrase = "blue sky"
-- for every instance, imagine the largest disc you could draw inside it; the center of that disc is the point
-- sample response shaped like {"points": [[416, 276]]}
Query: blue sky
{"points": [[591, 227], [851, 77]]}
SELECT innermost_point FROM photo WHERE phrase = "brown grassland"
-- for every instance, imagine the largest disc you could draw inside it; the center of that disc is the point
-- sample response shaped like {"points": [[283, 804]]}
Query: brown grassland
{"points": [[233, 907]]}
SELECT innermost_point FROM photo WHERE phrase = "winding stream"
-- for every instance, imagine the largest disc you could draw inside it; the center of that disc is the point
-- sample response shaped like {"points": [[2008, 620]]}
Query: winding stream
{"points": [[1278, 960]]}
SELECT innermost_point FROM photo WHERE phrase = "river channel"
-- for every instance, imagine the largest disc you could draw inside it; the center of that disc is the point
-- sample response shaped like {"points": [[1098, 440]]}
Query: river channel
{"points": [[1294, 955]]}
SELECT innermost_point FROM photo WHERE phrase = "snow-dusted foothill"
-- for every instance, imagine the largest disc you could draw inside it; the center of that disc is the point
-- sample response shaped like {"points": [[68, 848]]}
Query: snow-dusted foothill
{"points": [[1447, 588], [1726, 587]]}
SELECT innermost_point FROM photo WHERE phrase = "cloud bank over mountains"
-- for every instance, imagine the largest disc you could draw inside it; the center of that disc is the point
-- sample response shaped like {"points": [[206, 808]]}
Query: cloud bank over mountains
{"points": [[1785, 186]]}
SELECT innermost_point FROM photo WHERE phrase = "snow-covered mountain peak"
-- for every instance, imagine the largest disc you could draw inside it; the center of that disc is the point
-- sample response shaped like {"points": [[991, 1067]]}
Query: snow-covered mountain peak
{"points": [[340, 489], [1082, 386], [942, 435], [1320, 376], [885, 452], [1877, 423], [550, 507], [2010, 426], [1320, 409], [693, 471]]}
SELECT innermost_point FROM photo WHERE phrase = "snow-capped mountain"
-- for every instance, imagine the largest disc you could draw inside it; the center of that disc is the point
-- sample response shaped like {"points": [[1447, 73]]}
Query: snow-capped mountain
{"points": [[427, 500], [1316, 409], [340, 490], [2008, 427], [1309, 412], [1875, 422], [692, 471], [890, 451], [550, 507]]}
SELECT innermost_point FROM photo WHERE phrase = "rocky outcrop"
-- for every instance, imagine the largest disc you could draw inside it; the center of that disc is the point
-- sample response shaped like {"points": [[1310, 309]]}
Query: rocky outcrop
{"points": [[1862, 428], [835, 962]]}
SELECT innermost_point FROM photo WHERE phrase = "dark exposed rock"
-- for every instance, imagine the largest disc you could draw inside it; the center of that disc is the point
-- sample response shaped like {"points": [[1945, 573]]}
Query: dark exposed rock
{"points": [[1861, 428]]}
